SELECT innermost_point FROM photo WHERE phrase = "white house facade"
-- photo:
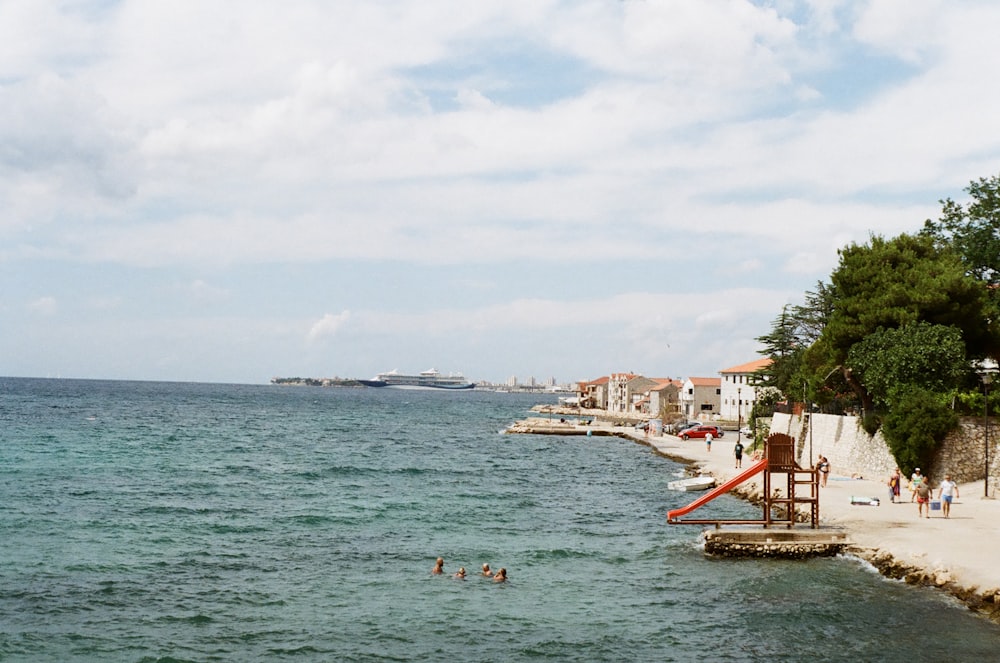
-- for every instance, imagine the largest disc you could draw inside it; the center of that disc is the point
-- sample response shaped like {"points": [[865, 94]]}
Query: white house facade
{"points": [[699, 398], [738, 392]]}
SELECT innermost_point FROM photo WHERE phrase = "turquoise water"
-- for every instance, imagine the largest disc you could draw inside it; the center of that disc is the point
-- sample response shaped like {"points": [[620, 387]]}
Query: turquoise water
{"points": [[190, 522]]}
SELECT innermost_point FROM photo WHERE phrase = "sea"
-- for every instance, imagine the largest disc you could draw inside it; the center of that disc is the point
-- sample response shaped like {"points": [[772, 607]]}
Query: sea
{"points": [[163, 522]]}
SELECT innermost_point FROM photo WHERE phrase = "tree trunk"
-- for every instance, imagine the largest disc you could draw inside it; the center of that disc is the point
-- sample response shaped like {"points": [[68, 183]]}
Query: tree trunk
{"points": [[867, 404]]}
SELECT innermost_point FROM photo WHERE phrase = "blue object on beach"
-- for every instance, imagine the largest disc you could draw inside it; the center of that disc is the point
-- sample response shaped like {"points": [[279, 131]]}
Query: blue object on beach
{"points": [[935, 505]]}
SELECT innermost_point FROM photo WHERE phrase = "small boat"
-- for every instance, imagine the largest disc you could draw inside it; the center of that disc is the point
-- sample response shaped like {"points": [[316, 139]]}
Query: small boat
{"points": [[692, 483]]}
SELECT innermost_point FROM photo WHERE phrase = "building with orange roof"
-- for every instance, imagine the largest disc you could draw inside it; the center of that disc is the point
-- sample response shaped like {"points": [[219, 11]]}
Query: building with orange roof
{"points": [[664, 398], [593, 394], [699, 398], [739, 389], [626, 390]]}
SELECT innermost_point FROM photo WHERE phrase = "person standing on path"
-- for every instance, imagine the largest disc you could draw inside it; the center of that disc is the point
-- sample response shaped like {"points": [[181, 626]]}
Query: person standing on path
{"points": [[738, 452], [915, 480], [708, 442], [824, 470], [923, 493], [947, 491], [894, 480]]}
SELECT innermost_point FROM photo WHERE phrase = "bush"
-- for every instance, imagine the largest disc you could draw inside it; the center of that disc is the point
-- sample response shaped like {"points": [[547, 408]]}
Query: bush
{"points": [[916, 425]]}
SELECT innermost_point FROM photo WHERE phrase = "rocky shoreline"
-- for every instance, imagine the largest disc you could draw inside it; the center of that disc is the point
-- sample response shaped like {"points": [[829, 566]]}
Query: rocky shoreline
{"points": [[986, 603]]}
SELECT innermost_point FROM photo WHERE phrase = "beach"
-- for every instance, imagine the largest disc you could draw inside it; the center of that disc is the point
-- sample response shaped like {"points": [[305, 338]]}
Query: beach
{"points": [[956, 554]]}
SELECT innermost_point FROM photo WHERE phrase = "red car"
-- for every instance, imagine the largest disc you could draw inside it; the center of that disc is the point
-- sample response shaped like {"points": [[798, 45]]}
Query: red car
{"points": [[701, 431]]}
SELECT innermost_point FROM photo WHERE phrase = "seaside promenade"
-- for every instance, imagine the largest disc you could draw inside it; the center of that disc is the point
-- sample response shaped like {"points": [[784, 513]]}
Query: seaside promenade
{"points": [[957, 555]]}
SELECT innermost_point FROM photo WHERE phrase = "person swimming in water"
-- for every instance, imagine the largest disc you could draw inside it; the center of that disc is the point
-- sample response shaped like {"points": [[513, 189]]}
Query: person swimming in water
{"points": [[438, 566], [487, 572], [501, 576], [461, 573]]}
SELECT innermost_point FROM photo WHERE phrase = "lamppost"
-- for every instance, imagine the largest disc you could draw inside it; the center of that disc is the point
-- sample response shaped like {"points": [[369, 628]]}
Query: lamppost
{"points": [[805, 403], [739, 414], [987, 379], [810, 434]]}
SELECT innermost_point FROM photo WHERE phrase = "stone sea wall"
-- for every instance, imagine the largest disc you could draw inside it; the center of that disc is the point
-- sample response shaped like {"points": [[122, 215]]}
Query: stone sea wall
{"points": [[852, 451]]}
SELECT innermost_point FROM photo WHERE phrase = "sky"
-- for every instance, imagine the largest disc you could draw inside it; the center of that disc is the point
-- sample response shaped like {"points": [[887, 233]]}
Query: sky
{"points": [[212, 191]]}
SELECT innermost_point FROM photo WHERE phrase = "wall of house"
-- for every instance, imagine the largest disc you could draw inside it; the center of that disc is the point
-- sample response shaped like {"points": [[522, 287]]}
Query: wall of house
{"points": [[737, 396], [851, 451]]}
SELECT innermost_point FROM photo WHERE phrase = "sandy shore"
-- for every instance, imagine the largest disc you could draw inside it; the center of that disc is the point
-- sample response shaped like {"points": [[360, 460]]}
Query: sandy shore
{"points": [[958, 554]]}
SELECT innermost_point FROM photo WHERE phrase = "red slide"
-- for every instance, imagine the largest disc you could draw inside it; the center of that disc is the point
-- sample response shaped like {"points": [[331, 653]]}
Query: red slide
{"points": [[756, 468]]}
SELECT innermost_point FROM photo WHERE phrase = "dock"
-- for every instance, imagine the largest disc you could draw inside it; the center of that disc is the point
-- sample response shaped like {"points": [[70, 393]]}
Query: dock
{"points": [[564, 426], [785, 544]]}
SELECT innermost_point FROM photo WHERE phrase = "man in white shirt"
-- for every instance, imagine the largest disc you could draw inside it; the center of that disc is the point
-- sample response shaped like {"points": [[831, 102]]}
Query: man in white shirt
{"points": [[947, 491]]}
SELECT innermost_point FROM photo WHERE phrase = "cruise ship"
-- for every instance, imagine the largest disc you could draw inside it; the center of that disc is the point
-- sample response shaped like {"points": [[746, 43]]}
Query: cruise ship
{"points": [[429, 379]]}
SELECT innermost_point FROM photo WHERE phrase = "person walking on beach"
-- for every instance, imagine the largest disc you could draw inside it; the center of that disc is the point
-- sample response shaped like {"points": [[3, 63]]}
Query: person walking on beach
{"points": [[738, 452], [708, 442], [923, 493], [438, 567], [894, 480], [824, 470], [915, 480], [947, 491]]}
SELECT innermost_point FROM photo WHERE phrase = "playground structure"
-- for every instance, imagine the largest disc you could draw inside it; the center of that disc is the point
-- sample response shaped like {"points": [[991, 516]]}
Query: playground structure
{"points": [[786, 487]]}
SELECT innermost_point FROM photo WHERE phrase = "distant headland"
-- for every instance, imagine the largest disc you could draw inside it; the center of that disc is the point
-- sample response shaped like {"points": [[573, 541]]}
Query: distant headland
{"points": [[317, 382]]}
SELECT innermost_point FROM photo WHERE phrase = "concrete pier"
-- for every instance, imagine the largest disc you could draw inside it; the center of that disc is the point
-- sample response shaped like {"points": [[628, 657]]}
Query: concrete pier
{"points": [[785, 544]]}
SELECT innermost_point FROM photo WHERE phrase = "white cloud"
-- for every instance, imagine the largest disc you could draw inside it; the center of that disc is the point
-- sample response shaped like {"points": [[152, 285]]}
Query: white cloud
{"points": [[45, 306], [608, 146], [328, 325], [204, 291]]}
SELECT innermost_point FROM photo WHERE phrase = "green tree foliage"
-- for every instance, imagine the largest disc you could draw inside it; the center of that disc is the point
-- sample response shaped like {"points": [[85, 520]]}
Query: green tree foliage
{"points": [[792, 332], [973, 229], [923, 355], [784, 347], [915, 426], [887, 284], [899, 324], [811, 317]]}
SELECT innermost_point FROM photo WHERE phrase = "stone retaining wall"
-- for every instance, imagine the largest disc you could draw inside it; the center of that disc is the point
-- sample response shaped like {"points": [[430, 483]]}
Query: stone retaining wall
{"points": [[851, 451]]}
